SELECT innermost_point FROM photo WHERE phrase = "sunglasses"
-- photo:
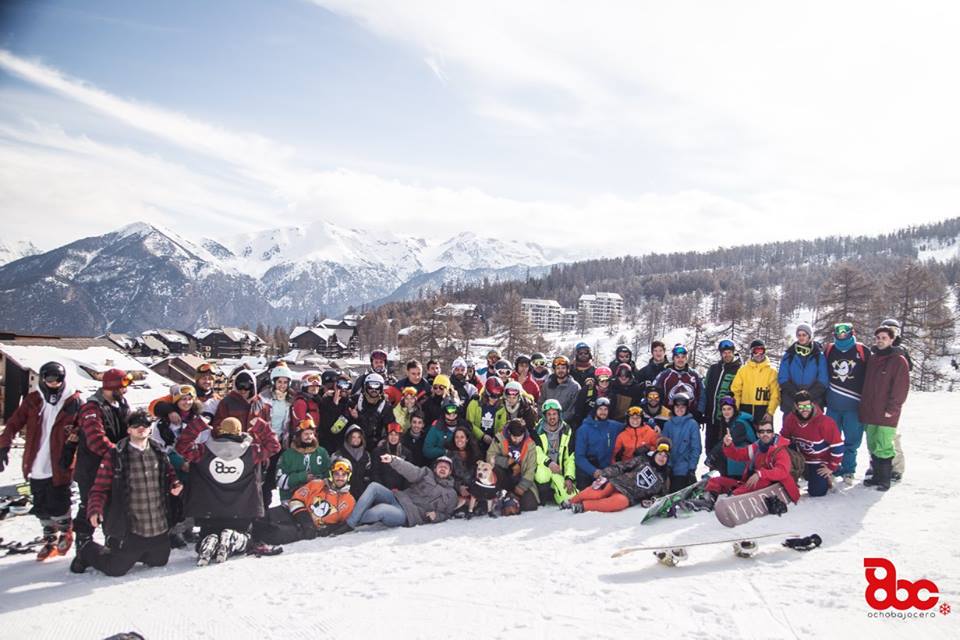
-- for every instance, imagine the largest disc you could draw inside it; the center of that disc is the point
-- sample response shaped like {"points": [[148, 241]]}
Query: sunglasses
{"points": [[374, 386], [539, 363], [603, 378], [805, 406], [512, 393], [758, 351], [764, 430], [439, 387]]}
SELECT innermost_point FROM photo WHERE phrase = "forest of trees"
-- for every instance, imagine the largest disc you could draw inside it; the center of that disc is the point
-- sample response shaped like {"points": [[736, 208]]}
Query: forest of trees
{"points": [[742, 293]]}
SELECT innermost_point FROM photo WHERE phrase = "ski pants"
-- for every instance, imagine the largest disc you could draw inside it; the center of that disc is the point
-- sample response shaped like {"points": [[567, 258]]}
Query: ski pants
{"points": [[852, 430], [605, 499], [817, 485], [117, 561], [880, 441], [722, 485], [377, 504], [898, 463], [555, 490], [51, 504]]}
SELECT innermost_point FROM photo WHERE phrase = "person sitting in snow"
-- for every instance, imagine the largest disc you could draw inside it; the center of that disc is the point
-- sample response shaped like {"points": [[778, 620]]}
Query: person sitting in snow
{"points": [[624, 484], [740, 428], [304, 460], [354, 449], [321, 504], [514, 456], [815, 435], [556, 467], [767, 461]]}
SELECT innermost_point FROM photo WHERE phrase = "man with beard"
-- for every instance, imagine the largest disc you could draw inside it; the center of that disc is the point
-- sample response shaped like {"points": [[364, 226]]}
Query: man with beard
{"points": [[323, 503], [493, 356], [556, 467], [595, 442], [378, 366], [655, 414], [302, 462], [561, 387], [582, 369], [45, 416], [203, 384], [719, 381], [458, 378], [624, 391], [371, 411], [816, 436], [755, 386]]}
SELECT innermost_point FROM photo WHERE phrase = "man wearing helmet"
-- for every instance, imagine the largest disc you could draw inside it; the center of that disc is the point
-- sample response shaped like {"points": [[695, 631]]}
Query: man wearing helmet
{"points": [[596, 439], [371, 411], [561, 387], [623, 355], [46, 416], [556, 468], [582, 369], [719, 380], [684, 434]]}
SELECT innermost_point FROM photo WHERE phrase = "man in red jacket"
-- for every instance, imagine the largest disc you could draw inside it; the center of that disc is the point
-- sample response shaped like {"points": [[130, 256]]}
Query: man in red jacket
{"points": [[885, 389], [769, 463], [45, 416], [816, 436]]}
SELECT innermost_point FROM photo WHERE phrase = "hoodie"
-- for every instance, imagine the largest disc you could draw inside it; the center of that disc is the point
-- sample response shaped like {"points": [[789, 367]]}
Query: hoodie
{"points": [[235, 405]]}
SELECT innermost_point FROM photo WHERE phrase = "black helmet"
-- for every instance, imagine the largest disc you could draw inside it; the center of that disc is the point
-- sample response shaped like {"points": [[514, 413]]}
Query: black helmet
{"points": [[521, 358], [329, 376], [53, 370]]}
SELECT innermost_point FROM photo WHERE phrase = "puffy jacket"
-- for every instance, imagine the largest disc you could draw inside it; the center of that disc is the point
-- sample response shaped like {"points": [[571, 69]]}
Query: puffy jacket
{"points": [[638, 478], [499, 455], [622, 397], [326, 504], [234, 405], [27, 418], [594, 444], [633, 440], [565, 455], [772, 465], [565, 393], [685, 450], [426, 493], [885, 388], [803, 372], [373, 419], [756, 384]]}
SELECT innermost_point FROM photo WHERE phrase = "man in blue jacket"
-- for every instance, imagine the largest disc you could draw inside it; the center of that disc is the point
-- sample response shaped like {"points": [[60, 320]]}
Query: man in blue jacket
{"points": [[847, 366], [803, 367], [594, 446]]}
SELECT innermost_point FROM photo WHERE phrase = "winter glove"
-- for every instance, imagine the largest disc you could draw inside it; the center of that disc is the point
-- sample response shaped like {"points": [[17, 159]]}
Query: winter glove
{"points": [[308, 531], [4, 457]]}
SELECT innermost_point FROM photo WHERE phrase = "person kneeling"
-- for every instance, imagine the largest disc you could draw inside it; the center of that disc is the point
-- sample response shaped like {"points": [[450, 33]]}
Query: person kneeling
{"points": [[130, 497], [624, 484]]}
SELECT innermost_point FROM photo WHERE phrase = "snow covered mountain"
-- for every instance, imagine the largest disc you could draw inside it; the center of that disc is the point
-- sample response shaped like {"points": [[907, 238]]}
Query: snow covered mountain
{"points": [[144, 276], [14, 250]]}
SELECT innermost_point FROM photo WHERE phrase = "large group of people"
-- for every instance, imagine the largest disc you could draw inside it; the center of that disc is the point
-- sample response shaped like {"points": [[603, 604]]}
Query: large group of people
{"points": [[421, 446]]}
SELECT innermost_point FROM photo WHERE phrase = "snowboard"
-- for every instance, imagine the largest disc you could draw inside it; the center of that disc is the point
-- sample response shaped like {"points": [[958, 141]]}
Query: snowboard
{"points": [[664, 504], [670, 547], [733, 511]]}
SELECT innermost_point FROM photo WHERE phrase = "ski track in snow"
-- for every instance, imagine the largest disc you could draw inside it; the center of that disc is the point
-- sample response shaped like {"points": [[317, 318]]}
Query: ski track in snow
{"points": [[546, 574]]}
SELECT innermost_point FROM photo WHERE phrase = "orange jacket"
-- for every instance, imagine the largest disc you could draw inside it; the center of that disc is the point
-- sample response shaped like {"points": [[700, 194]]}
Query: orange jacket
{"points": [[326, 504], [632, 439]]}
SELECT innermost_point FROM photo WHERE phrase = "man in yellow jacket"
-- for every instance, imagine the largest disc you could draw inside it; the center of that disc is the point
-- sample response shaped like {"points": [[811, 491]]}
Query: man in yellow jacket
{"points": [[755, 386]]}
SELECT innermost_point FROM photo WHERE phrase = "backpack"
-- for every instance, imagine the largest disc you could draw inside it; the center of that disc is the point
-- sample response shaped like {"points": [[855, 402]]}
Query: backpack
{"points": [[798, 463], [829, 348]]}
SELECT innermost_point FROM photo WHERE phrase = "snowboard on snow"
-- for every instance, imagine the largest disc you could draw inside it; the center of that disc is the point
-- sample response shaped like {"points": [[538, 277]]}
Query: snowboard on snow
{"points": [[664, 506], [733, 511], [743, 547]]}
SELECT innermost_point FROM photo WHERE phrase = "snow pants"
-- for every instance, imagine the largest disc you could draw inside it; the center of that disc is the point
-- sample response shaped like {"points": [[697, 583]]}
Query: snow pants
{"points": [[898, 464], [880, 441], [51, 504], [555, 490], [605, 499], [377, 504], [722, 485], [117, 561], [817, 485], [852, 430]]}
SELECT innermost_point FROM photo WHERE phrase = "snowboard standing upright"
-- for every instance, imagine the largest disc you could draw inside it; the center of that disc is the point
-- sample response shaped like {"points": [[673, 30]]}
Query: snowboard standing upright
{"points": [[732, 511]]}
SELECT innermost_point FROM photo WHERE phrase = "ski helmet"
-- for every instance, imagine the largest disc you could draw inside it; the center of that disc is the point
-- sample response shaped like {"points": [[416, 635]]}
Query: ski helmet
{"points": [[52, 371], [502, 365], [726, 345], [602, 372], [622, 348], [894, 324], [602, 402], [373, 382], [329, 376], [581, 346], [341, 464], [681, 398], [552, 405], [679, 349], [493, 386]]}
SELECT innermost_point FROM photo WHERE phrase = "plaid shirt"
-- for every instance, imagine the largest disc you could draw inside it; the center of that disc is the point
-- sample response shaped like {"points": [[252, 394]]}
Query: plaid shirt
{"points": [[147, 517]]}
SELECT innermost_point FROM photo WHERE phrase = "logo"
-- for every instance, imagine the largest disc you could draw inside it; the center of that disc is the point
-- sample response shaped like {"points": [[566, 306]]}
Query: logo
{"points": [[843, 369], [226, 471], [320, 508], [891, 588], [646, 478]]}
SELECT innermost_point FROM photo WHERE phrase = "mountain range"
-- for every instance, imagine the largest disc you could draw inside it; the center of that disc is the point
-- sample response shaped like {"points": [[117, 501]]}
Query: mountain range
{"points": [[143, 276]]}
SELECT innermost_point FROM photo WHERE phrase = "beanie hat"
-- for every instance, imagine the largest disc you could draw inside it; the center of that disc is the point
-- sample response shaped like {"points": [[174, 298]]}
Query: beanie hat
{"points": [[513, 385], [230, 426], [806, 328], [459, 363], [441, 381], [516, 427], [114, 379]]}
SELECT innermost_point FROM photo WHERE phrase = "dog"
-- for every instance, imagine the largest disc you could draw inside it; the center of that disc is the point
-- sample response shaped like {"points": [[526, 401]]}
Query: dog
{"points": [[483, 490]]}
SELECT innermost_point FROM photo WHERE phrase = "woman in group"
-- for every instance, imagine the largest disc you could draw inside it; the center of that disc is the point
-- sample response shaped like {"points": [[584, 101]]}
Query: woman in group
{"points": [[464, 452]]}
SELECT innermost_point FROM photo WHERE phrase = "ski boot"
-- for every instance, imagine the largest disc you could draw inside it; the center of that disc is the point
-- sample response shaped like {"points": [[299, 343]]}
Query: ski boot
{"points": [[206, 549], [49, 548], [671, 557], [231, 543], [577, 507], [65, 541], [744, 548], [78, 565]]}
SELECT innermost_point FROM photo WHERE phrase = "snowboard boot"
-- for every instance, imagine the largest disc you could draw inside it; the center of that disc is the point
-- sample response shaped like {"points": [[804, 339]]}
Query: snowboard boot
{"points": [[65, 541], [49, 548], [882, 472], [231, 543], [745, 548], [577, 507], [671, 557], [206, 549], [566, 504], [260, 549], [871, 479]]}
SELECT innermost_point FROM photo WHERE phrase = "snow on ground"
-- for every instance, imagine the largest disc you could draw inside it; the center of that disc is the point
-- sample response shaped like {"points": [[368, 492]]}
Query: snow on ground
{"points": [[539, 575]]}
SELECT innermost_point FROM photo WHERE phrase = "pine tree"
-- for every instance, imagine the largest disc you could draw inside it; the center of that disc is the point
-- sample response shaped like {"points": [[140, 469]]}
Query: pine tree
{"points": [[518, 336], [845, 297]]}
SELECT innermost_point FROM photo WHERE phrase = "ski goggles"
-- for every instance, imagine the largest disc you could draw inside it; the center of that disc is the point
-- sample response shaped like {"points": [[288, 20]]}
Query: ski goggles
{"points": [[805, 406], [341, 467], [635, 411], [373, 386], [679, 351], [842, 328], [803, 349], [513, 393], [311, 380], [603, 378], [727, 401], [394, 427], [539, 363], [186, 390], [757, 351], [53, 380], [450, 409], [205, 368], [343, 385], [664, 447], [306, 423]]}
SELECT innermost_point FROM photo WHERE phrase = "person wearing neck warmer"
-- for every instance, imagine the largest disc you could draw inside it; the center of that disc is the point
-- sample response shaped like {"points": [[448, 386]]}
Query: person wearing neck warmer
{"points": [[803, 367], [815, 435], [243, 403], [847, 367], [354, 449], [885, 390], [45, 416], [514, 455]]}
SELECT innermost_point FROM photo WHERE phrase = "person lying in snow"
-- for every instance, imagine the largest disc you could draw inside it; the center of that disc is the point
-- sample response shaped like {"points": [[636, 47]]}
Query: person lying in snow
{"points": [[624, 484]]}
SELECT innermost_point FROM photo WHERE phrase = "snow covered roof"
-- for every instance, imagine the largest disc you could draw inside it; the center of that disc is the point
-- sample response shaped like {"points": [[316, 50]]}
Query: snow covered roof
{"points": [[540, 302], [122, 340], [234, 334], [455, 308], [146, 386], [153, 343], [169, 335], [322, 332]]}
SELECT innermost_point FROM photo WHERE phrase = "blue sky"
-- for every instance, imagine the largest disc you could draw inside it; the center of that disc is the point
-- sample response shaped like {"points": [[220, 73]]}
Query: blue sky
{"points": [[550, 121]]}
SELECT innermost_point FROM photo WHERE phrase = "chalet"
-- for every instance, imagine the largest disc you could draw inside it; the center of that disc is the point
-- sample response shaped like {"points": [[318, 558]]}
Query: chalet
{"points": [[228, 342], [331, 338], [152, 346], [176, 341]]}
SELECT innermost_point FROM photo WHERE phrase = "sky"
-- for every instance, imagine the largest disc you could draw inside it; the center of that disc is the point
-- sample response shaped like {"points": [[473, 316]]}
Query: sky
{"points": [[606, 127]]}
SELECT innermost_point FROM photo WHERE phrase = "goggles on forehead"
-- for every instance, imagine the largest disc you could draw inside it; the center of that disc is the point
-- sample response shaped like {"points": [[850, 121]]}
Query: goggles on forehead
{"points": [[634, 411], [664, 447]]}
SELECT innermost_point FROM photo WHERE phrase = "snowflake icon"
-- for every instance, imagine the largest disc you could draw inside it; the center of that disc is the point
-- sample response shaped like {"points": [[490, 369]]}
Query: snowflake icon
{"points": [[944, 609]]}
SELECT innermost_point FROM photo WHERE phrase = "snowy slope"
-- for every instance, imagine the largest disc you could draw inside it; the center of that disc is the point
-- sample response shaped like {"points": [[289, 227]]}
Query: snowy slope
{"points": [[11, 250], [542, 575]]}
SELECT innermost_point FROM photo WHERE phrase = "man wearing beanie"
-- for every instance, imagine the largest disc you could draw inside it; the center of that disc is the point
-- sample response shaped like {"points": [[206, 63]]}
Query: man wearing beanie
{"points": [[103, 423], [514, 455], [885, 390], [847, 368], [803, 367], [458, 378], [225, 484]]}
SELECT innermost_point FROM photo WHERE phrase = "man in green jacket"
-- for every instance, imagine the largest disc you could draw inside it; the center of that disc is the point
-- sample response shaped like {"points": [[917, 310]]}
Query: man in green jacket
{"points": [[556, 467], [514, 455]]}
